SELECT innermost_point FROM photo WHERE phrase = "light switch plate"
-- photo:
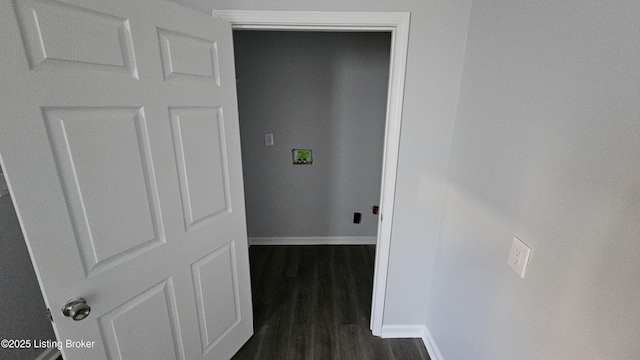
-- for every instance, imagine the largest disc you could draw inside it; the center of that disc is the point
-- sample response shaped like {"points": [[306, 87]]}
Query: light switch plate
{"points": [[268, 139], [519, 256]]}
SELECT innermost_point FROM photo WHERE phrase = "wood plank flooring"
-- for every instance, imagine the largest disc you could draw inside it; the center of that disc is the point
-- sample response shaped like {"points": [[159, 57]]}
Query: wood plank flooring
{"points": [[314, 302]]}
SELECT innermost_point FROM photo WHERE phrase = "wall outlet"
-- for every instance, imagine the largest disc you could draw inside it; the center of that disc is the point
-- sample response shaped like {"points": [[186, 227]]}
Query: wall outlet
{"points": [[519, 256], [357, 217]]}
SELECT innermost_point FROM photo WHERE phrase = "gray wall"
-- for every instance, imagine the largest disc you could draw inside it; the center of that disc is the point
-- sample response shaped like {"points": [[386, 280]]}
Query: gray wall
{"points": [[434, 69], [546, 147], [317, 90], [22, 307]]}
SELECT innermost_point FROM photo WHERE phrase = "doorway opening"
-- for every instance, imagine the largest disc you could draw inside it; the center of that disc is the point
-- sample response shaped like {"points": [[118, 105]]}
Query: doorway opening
{"points": [[398, 25], [324, 92], [321, 91]]}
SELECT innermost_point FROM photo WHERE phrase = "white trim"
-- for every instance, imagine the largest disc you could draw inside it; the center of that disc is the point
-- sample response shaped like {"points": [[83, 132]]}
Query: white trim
{"points": [[314, 240], [402, 331], [398, 24], [312, 20], [430, 344], [413, 331], [49, 354]]}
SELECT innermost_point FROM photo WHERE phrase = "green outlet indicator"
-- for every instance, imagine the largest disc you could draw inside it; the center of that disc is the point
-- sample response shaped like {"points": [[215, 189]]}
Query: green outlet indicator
{"points": [[302, 156]]}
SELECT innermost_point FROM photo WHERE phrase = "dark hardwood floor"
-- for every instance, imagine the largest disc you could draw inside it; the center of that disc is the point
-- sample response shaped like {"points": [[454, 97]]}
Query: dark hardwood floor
{"points": [[314, 302]]}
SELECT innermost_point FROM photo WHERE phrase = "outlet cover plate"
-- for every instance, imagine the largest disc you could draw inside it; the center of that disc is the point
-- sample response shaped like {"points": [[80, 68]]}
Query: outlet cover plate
{"points": [[519, 256]]}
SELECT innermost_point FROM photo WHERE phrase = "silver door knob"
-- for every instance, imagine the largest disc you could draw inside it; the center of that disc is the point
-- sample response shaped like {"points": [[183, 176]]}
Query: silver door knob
{"points": [[77, 309]]}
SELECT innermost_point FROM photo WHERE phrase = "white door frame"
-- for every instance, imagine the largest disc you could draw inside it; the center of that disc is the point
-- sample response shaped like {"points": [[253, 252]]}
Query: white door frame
{"points": [[396, 23]]}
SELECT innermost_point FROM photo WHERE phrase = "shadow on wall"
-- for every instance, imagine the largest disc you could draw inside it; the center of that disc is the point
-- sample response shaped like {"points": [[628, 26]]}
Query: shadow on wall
{"points": [[20, 289]]}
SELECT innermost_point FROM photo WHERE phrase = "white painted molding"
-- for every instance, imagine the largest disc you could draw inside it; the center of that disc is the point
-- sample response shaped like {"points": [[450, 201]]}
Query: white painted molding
{"points": [[49, 354], [395, 100], [404, 331], [312, 20], [398, 24], [327, 240], [430, 344]]}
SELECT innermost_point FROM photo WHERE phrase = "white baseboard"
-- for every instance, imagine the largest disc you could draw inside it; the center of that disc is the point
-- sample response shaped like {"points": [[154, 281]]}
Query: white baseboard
{"points": [[326, 240], [49, 354], [402, 331], [431, 345], [413, 331]]}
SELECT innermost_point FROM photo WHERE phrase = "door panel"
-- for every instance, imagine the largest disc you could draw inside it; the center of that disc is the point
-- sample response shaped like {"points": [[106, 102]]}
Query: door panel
{"points": [[214, 271], [188, 58], [119, 136], [109, 230], [203, 180], [59, 37], [126, 327]]}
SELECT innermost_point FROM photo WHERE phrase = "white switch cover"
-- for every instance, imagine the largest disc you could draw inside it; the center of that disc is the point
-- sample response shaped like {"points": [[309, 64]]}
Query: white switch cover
{"points": [[268, 139], [519, 256]]}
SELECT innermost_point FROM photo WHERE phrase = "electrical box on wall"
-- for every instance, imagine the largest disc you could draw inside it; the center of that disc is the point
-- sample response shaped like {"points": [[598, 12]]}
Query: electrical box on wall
{"points": [[302, 157]]}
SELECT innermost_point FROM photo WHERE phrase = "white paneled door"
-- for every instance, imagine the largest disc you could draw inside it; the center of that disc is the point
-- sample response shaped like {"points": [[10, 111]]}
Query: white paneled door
{"points": [[119, 136]]}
